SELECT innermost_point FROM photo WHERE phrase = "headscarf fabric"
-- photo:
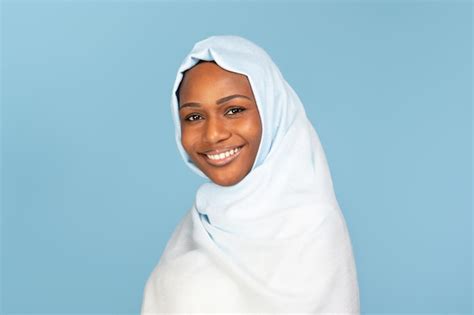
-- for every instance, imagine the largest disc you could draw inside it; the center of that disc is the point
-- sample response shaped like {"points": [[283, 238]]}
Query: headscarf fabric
{"points": [[275, 242]]}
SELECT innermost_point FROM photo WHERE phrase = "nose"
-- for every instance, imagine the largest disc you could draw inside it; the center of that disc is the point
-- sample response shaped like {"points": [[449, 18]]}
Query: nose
{"points": [[215, 130]]}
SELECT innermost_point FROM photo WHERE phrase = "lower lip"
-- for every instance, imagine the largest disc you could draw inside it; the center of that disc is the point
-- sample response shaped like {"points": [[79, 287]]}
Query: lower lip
{"points": [[224, 161]]}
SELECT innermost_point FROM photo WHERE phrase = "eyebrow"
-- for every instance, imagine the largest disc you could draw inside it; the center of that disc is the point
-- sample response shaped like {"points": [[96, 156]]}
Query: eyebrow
{"points": [[218, 102]]}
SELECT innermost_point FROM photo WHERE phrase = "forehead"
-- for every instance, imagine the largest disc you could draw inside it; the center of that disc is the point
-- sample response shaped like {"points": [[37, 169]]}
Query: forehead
{"points": [[210, 78]]}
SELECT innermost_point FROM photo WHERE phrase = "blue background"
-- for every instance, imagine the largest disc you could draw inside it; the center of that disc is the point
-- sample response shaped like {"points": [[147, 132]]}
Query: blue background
{"points": [[93, 185]]}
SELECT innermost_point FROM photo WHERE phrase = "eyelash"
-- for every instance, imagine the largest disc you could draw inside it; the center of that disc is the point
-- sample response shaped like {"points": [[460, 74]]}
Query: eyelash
{"points": [[239, 108]]}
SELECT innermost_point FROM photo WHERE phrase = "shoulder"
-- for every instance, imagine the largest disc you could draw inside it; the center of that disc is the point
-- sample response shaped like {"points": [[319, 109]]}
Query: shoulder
{"points": [[189, 282]]}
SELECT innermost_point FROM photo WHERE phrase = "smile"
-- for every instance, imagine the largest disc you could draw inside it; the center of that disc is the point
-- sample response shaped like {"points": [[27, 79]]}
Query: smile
{"points": [[224, 157]]}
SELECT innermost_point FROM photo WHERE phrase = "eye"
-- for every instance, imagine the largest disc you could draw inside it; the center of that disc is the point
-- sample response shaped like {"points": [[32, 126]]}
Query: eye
{"points": [[236, 110], [191, 117]]}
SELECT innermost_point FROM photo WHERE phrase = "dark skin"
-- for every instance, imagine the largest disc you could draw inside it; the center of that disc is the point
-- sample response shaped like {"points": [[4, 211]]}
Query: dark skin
{"points": [[218, 113]]}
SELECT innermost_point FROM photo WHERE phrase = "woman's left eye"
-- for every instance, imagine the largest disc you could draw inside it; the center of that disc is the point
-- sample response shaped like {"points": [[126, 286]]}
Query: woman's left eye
{"points": [[236, 110]]}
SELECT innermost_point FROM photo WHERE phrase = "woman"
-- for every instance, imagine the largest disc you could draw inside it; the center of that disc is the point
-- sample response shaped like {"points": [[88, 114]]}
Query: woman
{"points": [[265, 233]]}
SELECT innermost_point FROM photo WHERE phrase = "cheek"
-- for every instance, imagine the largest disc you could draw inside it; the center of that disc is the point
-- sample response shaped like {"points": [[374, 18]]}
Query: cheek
{"points": [[187, 139], [254, 129]]}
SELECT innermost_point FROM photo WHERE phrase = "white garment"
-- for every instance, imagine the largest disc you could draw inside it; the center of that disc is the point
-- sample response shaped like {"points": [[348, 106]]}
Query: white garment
{"points": [[275, 242]]}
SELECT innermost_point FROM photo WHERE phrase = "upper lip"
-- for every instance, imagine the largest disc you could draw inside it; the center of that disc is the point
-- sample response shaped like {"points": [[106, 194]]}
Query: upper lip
{"points": [[221, 150]]}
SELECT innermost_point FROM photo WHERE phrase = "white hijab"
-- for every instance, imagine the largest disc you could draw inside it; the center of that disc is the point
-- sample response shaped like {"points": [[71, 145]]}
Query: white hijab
{"points": [[274, 242]]}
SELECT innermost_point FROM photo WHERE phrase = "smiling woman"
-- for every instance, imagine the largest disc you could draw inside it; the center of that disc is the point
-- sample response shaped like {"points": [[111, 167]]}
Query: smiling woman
{"points": [[220, 122], [265, 233]]}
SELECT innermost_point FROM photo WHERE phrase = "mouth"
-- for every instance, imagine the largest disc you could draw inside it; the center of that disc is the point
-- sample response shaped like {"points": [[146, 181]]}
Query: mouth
{"points": [[222, 158]]}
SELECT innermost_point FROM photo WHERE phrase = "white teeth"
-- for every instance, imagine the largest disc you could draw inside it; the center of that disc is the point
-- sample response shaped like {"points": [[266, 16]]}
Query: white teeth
{"points": [[223, 155]]}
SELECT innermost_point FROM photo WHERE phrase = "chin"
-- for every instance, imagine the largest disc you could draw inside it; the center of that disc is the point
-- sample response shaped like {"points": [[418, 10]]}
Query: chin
{"points": [[228, 181], [225, 182]]}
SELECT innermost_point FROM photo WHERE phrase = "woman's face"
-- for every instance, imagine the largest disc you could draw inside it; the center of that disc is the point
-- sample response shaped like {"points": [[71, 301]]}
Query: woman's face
{"points": [[220, 122]]}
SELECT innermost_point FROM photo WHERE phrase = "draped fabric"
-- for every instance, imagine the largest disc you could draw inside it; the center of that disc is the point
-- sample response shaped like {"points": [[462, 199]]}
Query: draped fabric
{"points": [[275, 242]]}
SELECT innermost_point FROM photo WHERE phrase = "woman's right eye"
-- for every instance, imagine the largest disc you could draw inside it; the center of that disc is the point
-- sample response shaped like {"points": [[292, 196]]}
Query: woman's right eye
{"points": [[192, 117]]}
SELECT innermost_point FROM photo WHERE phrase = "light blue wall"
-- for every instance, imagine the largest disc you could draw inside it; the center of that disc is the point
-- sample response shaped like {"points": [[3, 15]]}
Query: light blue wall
{"points": [[92, 183]]}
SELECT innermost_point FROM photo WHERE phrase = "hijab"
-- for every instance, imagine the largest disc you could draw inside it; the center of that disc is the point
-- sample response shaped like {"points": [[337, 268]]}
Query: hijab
{"points": [[274, 242]]}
